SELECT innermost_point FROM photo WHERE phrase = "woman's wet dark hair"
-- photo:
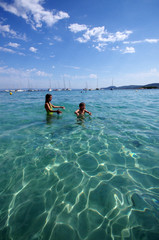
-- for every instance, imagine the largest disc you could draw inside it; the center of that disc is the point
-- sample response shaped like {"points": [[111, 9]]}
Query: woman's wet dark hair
{"points": [[47, 98]]}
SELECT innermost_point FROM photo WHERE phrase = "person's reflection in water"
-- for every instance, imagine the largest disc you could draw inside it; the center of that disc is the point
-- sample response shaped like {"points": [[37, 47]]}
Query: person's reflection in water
{"points": [[50, 118], [81, 120]]}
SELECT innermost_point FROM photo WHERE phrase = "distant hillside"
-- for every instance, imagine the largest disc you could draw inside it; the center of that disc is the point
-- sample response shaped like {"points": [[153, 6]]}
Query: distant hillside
{"points": [[148, 86], [130, 87], [111, 87], [152, 85]]}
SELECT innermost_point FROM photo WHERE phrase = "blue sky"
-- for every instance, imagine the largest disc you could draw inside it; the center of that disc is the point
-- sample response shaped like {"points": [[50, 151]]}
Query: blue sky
{"points": [[78, 42]]}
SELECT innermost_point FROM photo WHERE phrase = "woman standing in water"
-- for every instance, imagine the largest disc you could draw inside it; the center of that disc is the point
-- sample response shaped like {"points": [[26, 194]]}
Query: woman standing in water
{"points": [[49, 107]]}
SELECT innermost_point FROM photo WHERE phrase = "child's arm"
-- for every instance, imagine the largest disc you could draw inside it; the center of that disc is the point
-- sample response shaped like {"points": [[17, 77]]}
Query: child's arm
{"points": [[47, 107], [58, 107], [77, 112], [88, 112]]}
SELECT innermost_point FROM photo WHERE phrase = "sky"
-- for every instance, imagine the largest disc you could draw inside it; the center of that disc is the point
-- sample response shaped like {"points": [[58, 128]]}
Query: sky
{"points": [[78, 44]]}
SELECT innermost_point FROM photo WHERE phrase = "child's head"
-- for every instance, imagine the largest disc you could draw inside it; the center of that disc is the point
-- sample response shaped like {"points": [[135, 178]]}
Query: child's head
{"points": [[48, 98], [82, 105]]}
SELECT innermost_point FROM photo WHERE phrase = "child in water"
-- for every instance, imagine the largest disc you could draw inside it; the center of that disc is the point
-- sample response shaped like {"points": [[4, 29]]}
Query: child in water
{"points": [[81, 111], [49, 107]]}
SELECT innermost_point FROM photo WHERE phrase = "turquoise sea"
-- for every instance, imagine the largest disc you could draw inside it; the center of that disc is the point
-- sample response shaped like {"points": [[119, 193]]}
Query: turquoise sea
{"points": [[64, 178]]}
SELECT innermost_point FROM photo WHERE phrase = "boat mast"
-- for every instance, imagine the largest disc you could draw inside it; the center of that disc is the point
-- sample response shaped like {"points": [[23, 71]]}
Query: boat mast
{"points": [[64, 83]]}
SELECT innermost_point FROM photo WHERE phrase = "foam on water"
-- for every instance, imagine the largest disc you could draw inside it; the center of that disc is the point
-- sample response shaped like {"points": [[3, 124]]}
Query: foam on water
{"points": [[94, 178]]}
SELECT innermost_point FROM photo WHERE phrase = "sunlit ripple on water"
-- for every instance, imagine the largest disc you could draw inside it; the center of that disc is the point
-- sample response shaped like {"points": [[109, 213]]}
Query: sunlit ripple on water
{"points": [[95, 178]]}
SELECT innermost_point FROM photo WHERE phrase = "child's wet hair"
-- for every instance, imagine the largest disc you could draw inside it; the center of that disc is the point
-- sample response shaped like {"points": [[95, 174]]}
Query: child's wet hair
{"points": [[81, 104], [47, 97]]}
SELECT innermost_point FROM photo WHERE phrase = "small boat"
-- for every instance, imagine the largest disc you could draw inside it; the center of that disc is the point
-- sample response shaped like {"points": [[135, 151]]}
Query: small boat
{"points": [[69, 88], [57, 89], [85, 89], [19, 90], [112, 87]]}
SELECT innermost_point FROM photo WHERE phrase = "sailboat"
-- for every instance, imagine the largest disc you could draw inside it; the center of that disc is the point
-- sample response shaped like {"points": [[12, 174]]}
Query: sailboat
{"points": [[86, 88], [69, 89], [29, 88], [97, 85], [50, 87], [112, 87], [19, 89], [64, 89], [57, 87]]}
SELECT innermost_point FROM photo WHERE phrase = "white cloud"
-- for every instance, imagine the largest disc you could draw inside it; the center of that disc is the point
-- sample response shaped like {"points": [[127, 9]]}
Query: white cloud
{"points": [[14, 45], [6, 31], [23, 72], [42, 74], [6, 70], [121, 36], [153, 70], [138, 78], [58, 39], [94, 76], [115, 48], [133, 42], [129, 50], [18, 78], [53, 67], [32, 49], [82, 40], [13, 71], [6, 50], [75, 27], [151, 75], [79, 77], [33, 12], [98, 35], [31, 70], [66, 75], [126, 42], [101, 47], [151, 40], [21, 54], [73, 67]]}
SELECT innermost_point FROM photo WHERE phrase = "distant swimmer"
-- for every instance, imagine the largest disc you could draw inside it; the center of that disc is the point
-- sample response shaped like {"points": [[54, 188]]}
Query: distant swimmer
{"points": [[82, 110], [49, 107]]}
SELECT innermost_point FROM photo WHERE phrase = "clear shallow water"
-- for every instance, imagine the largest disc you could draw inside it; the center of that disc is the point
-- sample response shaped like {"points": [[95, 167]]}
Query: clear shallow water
{"points": [[96, 178]]}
